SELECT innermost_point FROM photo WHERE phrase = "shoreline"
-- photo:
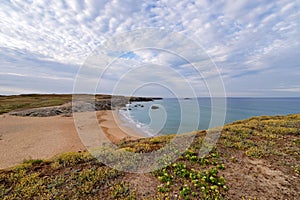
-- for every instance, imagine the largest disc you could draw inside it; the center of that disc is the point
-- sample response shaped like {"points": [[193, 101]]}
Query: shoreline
{"points": [[114, 127], [24, 138]]}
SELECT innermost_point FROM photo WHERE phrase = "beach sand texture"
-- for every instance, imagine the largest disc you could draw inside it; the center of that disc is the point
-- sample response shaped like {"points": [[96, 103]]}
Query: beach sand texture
{"points": [[43, 137]]}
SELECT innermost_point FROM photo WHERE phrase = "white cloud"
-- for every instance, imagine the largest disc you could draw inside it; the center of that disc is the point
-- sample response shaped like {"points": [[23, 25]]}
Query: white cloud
{"points": [[52, 39]]}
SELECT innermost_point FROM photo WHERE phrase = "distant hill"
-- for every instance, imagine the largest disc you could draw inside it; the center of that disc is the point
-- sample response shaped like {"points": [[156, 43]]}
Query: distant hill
{"points": [[28, 101]]}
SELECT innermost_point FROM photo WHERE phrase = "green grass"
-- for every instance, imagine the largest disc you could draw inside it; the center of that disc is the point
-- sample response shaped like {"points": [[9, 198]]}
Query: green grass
{"points": [[197, 177], [264, 136], [27, 101], [19, 102], [80, 176]]}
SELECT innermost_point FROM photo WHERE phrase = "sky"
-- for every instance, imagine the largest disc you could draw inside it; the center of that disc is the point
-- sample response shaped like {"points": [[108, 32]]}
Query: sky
{"points": [[235, 48]]}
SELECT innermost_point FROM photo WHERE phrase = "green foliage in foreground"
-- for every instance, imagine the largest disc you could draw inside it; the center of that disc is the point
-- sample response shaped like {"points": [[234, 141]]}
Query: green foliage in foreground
{"points": [[75, 175], [264, 136], [197, 176], [191, 176]]}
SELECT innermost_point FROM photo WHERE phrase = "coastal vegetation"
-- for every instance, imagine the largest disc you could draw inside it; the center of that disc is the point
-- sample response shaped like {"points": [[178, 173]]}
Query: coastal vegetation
{"points": [[257, 158], [19, 102]]}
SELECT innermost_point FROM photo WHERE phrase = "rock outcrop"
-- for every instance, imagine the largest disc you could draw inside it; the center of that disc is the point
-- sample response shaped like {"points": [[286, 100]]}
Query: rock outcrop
{"points": [[83, 104]]}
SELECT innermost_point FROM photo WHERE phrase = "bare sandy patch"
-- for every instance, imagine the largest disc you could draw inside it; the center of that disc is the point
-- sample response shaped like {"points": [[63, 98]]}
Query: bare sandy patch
{"points": [[43, 137]]}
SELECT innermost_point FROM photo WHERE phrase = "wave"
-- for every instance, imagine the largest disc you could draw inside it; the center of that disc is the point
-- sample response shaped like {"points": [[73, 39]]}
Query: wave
{"points": [[133, 123]]}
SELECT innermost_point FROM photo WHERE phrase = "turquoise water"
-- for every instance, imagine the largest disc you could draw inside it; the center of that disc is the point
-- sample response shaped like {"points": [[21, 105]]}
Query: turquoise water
{"points": [[185, 115]]}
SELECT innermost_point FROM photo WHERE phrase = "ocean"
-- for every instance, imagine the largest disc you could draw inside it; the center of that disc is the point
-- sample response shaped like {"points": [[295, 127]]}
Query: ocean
{"points": [[170, 115]]}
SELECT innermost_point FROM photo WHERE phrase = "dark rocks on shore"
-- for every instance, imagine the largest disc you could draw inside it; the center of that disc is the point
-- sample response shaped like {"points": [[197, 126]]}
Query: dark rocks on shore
{"points": [[81, 105], [132, 99], [65, 110], [44, 112]]}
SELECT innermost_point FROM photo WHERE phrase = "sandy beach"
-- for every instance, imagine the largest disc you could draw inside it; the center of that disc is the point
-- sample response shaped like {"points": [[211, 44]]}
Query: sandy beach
{"points": [[43, 137], [114, 128]]}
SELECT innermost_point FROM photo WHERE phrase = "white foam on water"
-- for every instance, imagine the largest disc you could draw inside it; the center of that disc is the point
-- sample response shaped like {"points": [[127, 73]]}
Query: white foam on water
{"points": [[129, 121]]}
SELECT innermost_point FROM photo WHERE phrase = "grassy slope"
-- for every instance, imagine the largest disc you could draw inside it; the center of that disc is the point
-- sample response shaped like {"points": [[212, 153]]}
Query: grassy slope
{"points": [[254, 158], [18, 102], [26, 101]]}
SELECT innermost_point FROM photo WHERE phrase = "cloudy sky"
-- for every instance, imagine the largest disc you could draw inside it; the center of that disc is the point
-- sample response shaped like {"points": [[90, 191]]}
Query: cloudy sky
{"points": [[252, 46]]}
